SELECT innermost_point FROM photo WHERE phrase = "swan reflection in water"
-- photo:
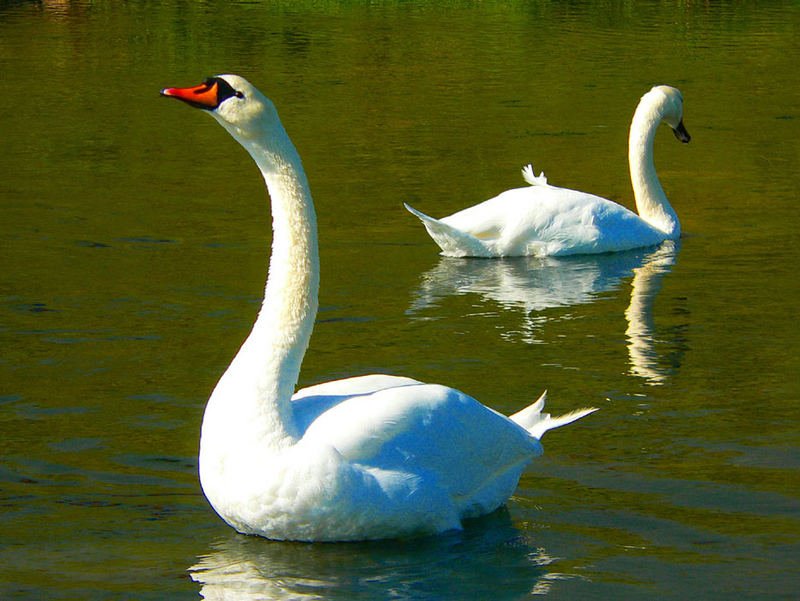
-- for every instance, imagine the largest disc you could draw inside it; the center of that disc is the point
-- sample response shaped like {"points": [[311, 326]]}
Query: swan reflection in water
{"points": [[489, 559], [642, 354], [534, 284]]}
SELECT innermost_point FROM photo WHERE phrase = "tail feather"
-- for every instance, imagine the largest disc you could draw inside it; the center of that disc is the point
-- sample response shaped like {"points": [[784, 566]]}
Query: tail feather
{"points": [[529, 176], [537, 423], [531, 414], [453, 242]]}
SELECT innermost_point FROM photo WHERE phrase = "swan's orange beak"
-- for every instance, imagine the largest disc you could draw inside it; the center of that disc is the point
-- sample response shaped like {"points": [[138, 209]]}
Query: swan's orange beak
{"points": [[205, 96]]}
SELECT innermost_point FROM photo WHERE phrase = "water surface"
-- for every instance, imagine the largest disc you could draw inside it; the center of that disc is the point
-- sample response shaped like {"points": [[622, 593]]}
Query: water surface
{"points": [[134, 242]]}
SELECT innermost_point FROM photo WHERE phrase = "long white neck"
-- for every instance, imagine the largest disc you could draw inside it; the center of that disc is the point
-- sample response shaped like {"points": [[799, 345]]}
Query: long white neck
{"points": [[259, 383], [651, 202]]}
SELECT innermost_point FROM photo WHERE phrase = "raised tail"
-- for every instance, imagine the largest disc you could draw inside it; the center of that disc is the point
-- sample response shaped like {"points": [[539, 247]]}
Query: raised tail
{"points": [[537, 423], [453, 242], [529, 176]]}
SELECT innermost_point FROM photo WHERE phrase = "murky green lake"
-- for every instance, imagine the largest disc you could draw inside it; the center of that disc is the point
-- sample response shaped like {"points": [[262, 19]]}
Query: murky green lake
{"points": [[133, 244]]}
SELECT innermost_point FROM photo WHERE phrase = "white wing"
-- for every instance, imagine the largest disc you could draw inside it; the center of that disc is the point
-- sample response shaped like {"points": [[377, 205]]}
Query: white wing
{"points": [[436, 433]]}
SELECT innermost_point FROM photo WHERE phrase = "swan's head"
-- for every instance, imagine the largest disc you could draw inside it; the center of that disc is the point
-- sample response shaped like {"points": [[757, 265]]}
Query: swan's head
{"points": [[668, 105], [233, 101]]}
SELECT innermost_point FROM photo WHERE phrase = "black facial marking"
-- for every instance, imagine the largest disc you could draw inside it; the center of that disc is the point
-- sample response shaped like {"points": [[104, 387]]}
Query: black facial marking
{"points": [[224, 89]]}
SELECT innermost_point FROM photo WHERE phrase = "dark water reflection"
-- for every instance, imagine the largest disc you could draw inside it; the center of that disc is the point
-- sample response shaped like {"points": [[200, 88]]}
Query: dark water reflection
{"points": [[490, 559], [530, 286], [133, 242]]}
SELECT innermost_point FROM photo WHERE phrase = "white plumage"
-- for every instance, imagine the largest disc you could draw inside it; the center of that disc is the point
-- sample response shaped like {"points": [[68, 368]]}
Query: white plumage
{"points": [[545, 220], [361, 458]]}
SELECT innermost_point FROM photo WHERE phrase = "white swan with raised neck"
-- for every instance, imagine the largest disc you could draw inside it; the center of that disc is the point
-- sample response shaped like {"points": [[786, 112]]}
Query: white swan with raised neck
{"points": [[368, 457], [545, 220]]}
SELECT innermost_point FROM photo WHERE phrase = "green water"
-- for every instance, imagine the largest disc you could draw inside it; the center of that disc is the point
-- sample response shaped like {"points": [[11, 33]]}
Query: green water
{"points": [[133, 245]]}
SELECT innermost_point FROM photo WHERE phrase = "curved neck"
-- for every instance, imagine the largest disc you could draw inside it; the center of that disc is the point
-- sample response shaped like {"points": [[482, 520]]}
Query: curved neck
{"points": [[651, 202], [260, 381]]}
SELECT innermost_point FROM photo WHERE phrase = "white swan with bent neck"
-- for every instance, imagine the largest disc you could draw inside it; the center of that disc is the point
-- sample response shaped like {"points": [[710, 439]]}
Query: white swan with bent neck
{"points": [[369, 457], [544, 220]]}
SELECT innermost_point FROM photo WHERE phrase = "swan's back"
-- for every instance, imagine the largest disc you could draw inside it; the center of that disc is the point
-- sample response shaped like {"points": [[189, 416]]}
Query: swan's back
{"points": [[377, 461], [428, 439], [547, 220]]}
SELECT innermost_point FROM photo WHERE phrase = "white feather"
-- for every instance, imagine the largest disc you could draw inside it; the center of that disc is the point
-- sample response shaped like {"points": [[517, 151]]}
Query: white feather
{"points": [[361, 458], [545, 220]]}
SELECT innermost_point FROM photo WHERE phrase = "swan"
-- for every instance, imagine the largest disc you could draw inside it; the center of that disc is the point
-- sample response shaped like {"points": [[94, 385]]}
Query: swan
{"points": [[544, 220], [369, 457]]}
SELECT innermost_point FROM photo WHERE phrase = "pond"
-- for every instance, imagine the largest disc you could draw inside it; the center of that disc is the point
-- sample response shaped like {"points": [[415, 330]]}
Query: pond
{"points": [[135, 235]]}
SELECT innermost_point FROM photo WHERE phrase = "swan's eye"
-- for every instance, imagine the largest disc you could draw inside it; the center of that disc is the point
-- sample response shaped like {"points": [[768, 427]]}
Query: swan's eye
{"points": [[238, 94]]}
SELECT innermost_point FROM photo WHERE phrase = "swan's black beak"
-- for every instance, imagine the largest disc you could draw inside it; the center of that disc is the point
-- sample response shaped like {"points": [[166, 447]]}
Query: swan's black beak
{"points": [[208, 95], [681, 133]]}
